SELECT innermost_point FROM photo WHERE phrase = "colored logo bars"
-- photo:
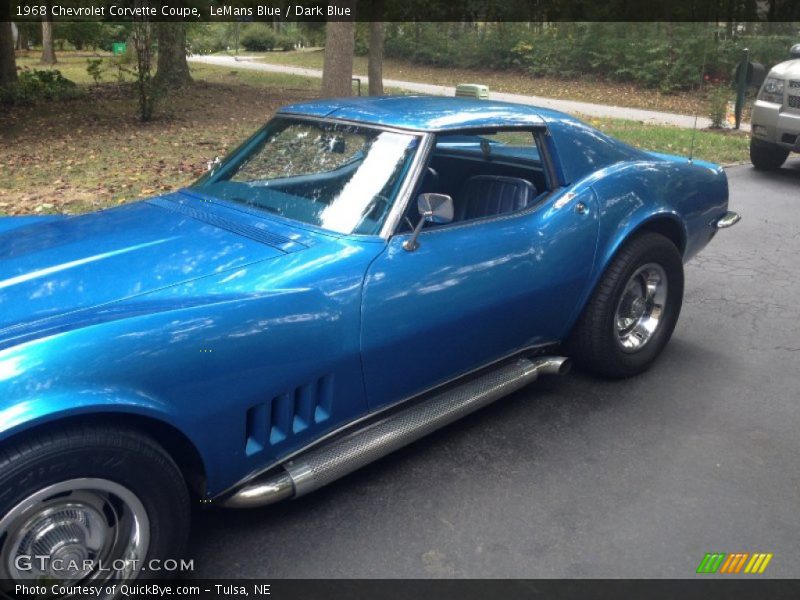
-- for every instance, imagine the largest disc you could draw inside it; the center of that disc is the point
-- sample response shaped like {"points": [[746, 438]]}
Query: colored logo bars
{"points": [[734, 563]]}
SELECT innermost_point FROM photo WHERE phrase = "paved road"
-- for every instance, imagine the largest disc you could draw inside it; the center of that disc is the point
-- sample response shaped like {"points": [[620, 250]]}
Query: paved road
{"points": [[577, 477], [568, 106]]}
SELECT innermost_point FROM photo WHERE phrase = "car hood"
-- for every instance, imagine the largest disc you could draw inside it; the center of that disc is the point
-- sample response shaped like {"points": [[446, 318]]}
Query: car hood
{"points": [[57, 266], [789, 68]]}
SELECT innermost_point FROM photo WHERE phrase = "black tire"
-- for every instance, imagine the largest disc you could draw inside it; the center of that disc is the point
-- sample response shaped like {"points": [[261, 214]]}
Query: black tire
{"points": [[593, 343], [124, 457], [766, 156]]}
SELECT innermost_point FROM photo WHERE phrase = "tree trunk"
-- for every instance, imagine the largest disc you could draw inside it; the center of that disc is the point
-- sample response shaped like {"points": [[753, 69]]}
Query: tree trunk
{"points": [[48, 51], [375, 65], [8, 63], [172, 69], [142, 37], [337, 70]]}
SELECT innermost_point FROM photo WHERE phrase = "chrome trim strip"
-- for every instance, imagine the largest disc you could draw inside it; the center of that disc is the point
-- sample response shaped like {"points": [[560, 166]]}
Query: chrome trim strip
{"points": [[729, 219], [410, 183], [337, 121], [521, 124]]}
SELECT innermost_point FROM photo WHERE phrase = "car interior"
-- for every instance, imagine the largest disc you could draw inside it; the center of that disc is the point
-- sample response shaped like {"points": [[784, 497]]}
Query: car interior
{"points": [[484, 177]]}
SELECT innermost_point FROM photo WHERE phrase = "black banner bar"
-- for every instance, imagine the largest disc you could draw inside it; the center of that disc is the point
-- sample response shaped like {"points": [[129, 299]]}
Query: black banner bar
{"points": [[701, 588], [530, 11]]}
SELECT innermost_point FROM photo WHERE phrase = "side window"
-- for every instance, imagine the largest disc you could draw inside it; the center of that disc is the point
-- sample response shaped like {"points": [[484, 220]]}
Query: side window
{"points": [[487, 173]]}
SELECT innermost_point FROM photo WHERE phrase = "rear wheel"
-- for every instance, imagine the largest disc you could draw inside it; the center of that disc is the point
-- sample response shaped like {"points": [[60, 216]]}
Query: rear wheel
{"points": [[88, 505], [633, 311], [766, 156]]}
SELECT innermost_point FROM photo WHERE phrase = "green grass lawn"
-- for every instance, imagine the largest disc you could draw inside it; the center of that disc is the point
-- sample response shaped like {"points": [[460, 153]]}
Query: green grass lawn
{"points": [[92, 152], [723, 146]]}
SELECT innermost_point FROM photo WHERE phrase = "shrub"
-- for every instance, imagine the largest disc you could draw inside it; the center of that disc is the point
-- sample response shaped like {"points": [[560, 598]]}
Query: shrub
{"points": [[664, 56], [718, 105], [284, 43], [258, 37], [34, 86], [207, 38], [94, 68]]}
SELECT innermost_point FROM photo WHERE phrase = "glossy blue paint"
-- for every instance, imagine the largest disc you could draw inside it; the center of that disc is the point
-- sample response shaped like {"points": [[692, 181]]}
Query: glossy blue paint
{"points": [[420, 113], [255, 335], [456, 304], [7, 224]]}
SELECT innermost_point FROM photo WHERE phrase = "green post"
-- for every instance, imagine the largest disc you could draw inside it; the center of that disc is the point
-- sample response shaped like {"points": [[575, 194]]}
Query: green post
{"points": [[741, 86]]}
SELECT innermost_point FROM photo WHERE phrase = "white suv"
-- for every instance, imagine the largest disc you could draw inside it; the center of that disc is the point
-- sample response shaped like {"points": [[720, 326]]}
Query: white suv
{"points": [[776, 115]]}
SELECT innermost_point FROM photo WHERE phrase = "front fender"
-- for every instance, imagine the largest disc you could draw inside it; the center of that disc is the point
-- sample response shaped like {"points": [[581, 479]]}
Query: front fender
{"points": [[75, 405], [47, 407]]}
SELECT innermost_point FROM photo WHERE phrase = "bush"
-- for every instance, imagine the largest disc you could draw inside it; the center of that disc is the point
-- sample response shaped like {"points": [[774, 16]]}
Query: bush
{"points": [[258, 37], [94, 67], [34, 86], [207, 38], [664, 56], [284, 43], [718, 105]]}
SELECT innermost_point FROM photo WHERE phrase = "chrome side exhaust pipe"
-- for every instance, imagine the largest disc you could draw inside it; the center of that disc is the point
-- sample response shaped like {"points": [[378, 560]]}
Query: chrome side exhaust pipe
{"points": [[320, 466]]}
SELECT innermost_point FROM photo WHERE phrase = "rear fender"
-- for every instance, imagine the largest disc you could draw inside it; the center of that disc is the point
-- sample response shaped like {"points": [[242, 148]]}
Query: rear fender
{"points": [[660, 195]]}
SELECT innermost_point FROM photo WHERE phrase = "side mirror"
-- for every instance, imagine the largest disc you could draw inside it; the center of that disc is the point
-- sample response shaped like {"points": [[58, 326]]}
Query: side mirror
{"points": [[433, 208]]}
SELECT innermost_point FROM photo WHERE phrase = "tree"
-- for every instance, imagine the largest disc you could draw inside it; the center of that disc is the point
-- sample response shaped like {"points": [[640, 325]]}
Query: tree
{"points": [[375, 60], [81, 33], [142, 36], [8, 63], [172, 69], [22, 38], [337, 70], [48, 51]]}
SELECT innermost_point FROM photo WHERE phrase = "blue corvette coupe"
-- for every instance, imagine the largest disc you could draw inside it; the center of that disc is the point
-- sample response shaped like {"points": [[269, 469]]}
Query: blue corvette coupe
{"points": [[357, 274]]}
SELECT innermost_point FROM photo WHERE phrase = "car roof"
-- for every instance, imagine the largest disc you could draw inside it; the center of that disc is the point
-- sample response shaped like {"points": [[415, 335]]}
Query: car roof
{"points": [[427, 113]]}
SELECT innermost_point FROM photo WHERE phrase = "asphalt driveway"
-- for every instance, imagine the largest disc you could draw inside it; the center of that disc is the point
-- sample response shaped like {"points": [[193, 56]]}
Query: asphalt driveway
{"points": [[577, 477]]}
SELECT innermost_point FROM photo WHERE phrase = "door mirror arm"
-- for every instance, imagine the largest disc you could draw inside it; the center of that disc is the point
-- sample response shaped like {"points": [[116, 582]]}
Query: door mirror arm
{"points": [[433, 208]]}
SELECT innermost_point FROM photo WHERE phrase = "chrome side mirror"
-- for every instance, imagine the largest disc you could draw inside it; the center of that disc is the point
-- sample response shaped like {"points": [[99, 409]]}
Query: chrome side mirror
{"points": [[433, 208]]}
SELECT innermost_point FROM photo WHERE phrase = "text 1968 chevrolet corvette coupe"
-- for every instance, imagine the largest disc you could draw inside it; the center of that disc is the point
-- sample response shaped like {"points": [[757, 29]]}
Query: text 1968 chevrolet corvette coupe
{"points": [[357, 274]]}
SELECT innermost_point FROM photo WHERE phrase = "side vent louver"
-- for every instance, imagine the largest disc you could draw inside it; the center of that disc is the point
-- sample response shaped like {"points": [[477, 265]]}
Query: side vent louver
{"points": [[270, 423]]}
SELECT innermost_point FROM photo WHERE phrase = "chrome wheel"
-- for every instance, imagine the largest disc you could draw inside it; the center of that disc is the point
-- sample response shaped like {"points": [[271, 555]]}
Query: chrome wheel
{"points": [[76, 530], [641, 307]]}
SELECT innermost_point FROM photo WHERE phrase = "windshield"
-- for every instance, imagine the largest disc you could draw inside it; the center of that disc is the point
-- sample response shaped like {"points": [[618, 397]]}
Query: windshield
{"points": [[341, 177]]}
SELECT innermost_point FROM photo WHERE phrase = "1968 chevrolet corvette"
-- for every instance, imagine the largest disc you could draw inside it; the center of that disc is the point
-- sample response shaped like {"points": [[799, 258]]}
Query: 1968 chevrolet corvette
{"points": [[357, 274]]}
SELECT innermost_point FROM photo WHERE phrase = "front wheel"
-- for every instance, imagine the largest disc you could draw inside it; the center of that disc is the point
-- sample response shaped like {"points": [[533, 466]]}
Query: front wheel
{"points": [[631, 314], [766, 156], [89, 505]]}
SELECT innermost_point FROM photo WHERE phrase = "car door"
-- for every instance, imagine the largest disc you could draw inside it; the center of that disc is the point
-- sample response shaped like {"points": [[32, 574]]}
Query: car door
{"points": [[472, 293]]}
